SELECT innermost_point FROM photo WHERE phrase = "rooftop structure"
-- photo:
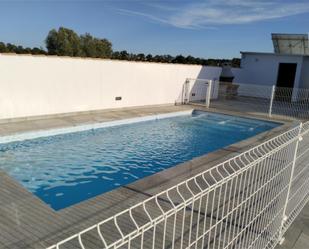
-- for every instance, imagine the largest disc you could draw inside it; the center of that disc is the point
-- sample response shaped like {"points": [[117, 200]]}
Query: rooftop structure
{"points": [[290, 44]]}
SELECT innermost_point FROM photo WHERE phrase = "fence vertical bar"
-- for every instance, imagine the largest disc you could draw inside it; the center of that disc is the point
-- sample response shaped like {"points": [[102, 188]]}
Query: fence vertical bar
{"points": [[273, 89], [208, 93], [284, 218]]}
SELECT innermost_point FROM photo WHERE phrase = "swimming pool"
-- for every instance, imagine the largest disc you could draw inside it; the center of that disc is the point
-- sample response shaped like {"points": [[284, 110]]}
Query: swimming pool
{"points": [[69, 168]]}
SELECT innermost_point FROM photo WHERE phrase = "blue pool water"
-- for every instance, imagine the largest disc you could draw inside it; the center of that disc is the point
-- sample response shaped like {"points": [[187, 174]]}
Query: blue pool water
{"points": [[66, 169]]}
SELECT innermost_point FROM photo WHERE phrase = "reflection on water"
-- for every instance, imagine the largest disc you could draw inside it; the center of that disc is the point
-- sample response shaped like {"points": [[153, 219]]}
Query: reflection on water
{"points": [[66, 169]]}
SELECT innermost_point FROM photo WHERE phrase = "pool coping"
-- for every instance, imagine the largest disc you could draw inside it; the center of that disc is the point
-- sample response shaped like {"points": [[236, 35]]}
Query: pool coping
{"points": [[21, 136], [74, 218]]}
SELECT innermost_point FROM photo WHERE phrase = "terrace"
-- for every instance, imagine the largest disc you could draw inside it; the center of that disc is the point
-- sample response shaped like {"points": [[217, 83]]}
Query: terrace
{"points": [[297, 236], [244, 195], [26, 222]]}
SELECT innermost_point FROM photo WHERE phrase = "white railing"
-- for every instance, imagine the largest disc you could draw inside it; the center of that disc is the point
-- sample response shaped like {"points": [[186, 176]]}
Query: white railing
{"points": [[261, 99], [248, 201]]}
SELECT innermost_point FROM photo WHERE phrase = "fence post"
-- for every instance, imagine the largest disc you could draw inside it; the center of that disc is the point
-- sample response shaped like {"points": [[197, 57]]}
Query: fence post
{"points": [[273, 89], [185, 92], [208, 93], [284, 216]]}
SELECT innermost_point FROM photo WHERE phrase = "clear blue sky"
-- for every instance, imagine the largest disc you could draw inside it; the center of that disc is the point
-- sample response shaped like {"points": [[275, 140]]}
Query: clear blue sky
{"points": [[209, 28]]}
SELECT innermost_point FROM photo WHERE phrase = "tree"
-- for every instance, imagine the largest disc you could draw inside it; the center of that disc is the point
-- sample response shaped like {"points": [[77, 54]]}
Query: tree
{"points": [[190, 60], [149, 57], [116, 55], [3, 48], [94, 47], [88, 46], [36, 50], [140, 57], [179, 59], [63, 42], [19, 50], [103, 48], [11, 47], [212, 62], [158, 58], [69, 42], [27, 50], [52, 42], [167, 58], [235, 62], [124, 55]]}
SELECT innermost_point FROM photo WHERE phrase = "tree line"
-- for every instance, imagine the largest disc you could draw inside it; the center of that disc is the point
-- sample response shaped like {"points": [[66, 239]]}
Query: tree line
{"points": [[66, 42]]}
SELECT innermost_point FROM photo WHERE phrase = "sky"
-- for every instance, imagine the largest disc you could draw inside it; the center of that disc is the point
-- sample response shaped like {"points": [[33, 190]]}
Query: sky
{"points": [[208, 28]]}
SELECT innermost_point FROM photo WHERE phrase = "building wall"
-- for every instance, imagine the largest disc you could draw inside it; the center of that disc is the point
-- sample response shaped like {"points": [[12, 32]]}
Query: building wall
{"points": [[259, 73], [44, 85], [262, 69], [304, 80]]}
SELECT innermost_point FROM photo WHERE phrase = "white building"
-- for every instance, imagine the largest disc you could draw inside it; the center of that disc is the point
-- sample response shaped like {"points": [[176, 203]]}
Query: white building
{"points": [[282, 70], [287, 68]]}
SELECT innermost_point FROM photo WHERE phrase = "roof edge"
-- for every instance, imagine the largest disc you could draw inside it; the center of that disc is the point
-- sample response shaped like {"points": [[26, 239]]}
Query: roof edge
{"points": [[96, 59], [276, 54]]}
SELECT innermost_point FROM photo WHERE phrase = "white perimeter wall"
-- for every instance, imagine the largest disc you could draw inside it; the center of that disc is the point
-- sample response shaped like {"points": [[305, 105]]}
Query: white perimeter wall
{"points": [[41, 85]]}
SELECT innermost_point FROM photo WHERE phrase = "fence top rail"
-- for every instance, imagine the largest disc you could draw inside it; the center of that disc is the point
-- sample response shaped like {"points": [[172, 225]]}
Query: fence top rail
{"points": [[269, 85], [212, 178], [266, 86], [198, 79]]}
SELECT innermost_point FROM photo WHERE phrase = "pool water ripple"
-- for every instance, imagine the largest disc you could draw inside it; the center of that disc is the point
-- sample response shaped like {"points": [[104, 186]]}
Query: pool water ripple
{"points": [[66, 169]]}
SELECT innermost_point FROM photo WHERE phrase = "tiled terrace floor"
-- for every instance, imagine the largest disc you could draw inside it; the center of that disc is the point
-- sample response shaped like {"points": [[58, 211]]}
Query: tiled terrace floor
{"points": [[297, 236], [26, 222]]}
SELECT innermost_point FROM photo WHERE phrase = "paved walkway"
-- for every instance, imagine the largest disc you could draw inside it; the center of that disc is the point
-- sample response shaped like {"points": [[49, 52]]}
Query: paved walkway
{"points": [[297, 236]]}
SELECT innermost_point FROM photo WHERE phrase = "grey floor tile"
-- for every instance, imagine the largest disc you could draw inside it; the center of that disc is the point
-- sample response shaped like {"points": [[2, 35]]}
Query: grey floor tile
{"points": [[302, 242]]}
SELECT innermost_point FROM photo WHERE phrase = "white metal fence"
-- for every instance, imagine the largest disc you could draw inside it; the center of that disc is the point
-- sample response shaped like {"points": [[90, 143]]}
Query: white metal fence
{"points": [[199, 91], [248, 201], [258, 99]]}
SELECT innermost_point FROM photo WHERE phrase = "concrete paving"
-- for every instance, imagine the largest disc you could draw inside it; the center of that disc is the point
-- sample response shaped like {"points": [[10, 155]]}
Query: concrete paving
{"points": [[297, 236]]}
